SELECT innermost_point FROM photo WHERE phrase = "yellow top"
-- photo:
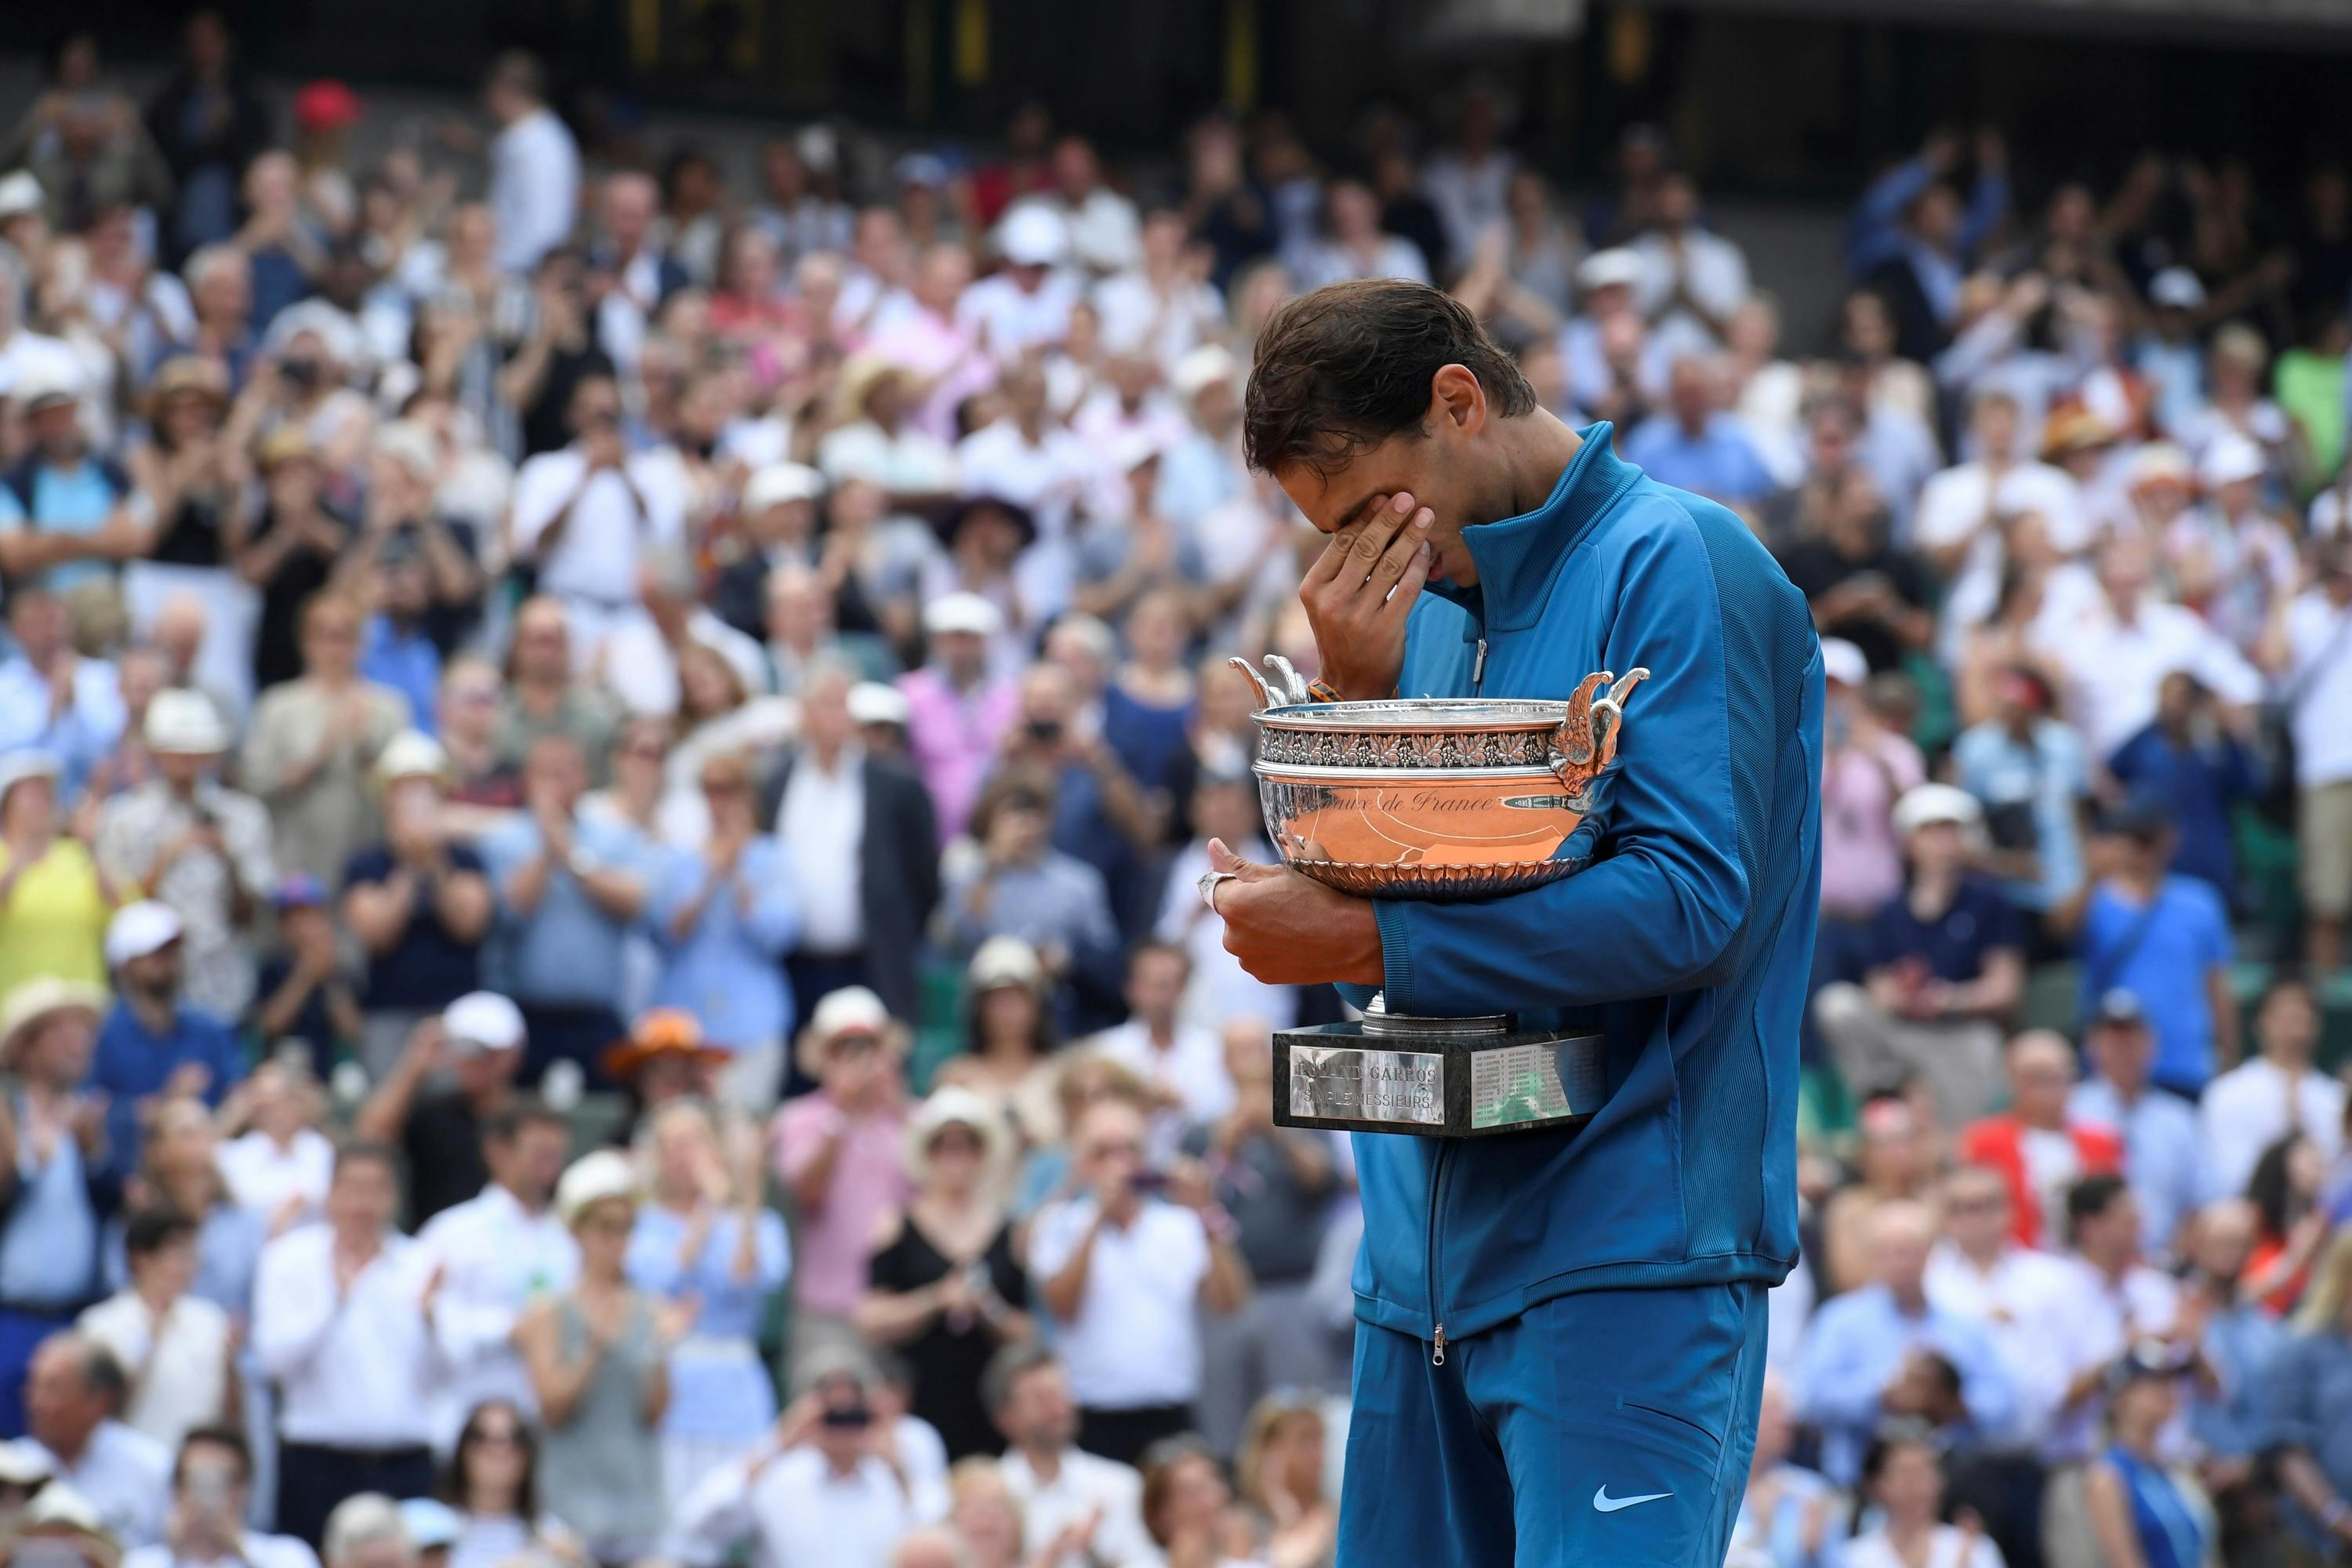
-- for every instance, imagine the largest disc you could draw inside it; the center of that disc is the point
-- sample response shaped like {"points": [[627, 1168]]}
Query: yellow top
{"points": [[53, 921]]}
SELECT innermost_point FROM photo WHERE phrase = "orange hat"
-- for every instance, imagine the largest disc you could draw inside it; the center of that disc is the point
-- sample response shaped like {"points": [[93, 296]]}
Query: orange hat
{"points": [[660, 1032]]}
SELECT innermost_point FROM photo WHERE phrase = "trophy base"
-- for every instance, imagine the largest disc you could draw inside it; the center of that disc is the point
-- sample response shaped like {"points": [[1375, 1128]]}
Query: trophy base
{"points": [[1436, 1078]]}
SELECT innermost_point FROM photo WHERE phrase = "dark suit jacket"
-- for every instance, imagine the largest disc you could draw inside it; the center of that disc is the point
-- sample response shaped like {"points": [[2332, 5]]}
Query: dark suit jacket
{"points": [[898, 862]]}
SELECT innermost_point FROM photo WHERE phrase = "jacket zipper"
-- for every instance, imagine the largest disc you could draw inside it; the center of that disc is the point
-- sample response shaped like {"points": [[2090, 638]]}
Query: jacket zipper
{"points": [[1436, 1198], [1437, 1173]]}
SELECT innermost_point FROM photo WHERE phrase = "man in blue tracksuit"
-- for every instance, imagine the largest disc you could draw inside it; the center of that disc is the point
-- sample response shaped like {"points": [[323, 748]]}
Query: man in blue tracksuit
{"points": [[1561, 1341]]}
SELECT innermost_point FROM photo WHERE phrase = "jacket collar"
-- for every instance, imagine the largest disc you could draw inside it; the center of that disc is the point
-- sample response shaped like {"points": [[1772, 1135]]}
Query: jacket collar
{"points": [[1519, 557]]}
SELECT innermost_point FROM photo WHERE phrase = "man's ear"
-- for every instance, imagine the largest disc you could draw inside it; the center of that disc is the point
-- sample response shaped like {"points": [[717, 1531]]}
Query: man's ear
{"points": [[1457, 399]]}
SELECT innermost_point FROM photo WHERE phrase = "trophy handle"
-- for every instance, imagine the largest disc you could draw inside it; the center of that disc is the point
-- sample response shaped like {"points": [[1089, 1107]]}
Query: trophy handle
{"points": [[1586, 742], [1281, 686]]}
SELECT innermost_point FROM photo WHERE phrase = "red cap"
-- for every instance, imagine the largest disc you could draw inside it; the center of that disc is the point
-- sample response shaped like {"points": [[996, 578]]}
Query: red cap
{"points": [[326, 105]]}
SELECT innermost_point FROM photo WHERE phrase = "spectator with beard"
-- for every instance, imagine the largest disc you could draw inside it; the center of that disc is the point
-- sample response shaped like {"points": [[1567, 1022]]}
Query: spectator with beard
{"points": [[152, 1047]]}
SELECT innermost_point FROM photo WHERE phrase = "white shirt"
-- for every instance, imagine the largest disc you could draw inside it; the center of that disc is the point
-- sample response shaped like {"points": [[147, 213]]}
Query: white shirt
{"points": [[2022, 1300], [178, 1369], [534, 188], [913, 461], [642, 671], [822, 826], [261, 1176], [2252, 1107], [1962, 503], [2114, 669], [1714, 273], [2100, 1322], [800, 1512], [351, 1373], [1085, 1483], [1008, 321], [608, 530], [125, 1476], [495, 1258], [1947, 1548], [2319, 653], [253, 1551], [1137, 317], [1136, 1338], [1191, 1068]]}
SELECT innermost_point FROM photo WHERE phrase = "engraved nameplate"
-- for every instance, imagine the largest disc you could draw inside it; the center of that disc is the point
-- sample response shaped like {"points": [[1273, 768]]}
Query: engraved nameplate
{"points": [[1351, 1083]]}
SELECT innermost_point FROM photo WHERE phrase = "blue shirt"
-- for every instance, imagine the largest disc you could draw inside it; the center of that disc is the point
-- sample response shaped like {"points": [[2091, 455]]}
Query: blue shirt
{"points": [[2047, 775], [78, 499], [49, 1242], [1684, 940], [2303, 1398], [2162, 1158], [2169, 1533], [1956, 943], [566, 952], [1852, 1349], [133, 1065], [2164, 960], [718, 1387], [408, 662], [1719, 462], [2240, 1346], [80, 737], [2197, 786], [728, 971]]}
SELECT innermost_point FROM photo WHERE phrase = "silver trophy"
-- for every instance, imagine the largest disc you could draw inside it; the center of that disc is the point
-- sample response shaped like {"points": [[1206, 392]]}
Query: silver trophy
{"points": [[1440, 797]]}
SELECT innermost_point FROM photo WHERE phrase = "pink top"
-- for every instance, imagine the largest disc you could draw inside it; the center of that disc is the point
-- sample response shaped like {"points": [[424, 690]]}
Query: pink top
{"points": [[1861, 862], [837, 1235], [953, 737]]}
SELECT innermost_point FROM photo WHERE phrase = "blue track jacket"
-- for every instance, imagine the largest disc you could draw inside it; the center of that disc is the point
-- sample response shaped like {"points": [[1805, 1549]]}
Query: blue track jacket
{"points": [[1687, 940]]}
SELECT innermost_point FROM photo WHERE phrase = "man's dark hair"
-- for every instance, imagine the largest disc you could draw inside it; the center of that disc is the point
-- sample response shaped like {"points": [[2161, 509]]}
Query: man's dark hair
{"points": [[521, 71], [103, 1375], [150, 1230], [1343, 369], [508, 1123], [370, 1150], [227, 1437], [2091, 1197], [1009, 1366]]}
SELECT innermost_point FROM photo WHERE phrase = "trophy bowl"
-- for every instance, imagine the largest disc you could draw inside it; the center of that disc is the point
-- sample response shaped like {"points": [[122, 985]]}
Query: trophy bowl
{"points": [[1440, 797]]}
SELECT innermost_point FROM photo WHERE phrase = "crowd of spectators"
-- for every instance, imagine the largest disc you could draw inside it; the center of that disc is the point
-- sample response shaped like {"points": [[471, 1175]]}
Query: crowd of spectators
{"points": [[603, 763]]}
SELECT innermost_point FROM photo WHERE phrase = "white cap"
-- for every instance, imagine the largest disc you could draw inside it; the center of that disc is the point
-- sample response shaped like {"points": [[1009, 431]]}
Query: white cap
{"points": [[1205, 366], [2177, 287], [1843, 663], [184, 722], [1609, 269], [963, 612], [481, 1021], [23, 1463], [431, 1524], [852, 1010], [2230, 458], [60, 1504], [411, 754], [1032, 236], [780, 483], [593, 1178], [28, 763], [1926, 804], [20, 193], [411, 446], [1134, 448], [1004, 961], [48, 381], [333, 329], [140, 928], [876, 702]]}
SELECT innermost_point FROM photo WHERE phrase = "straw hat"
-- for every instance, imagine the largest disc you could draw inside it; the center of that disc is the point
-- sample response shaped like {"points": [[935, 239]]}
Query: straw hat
{"points": [[952, 1105], [34, 1002], [852, 1010], [592, 1179], [184, 375]]}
